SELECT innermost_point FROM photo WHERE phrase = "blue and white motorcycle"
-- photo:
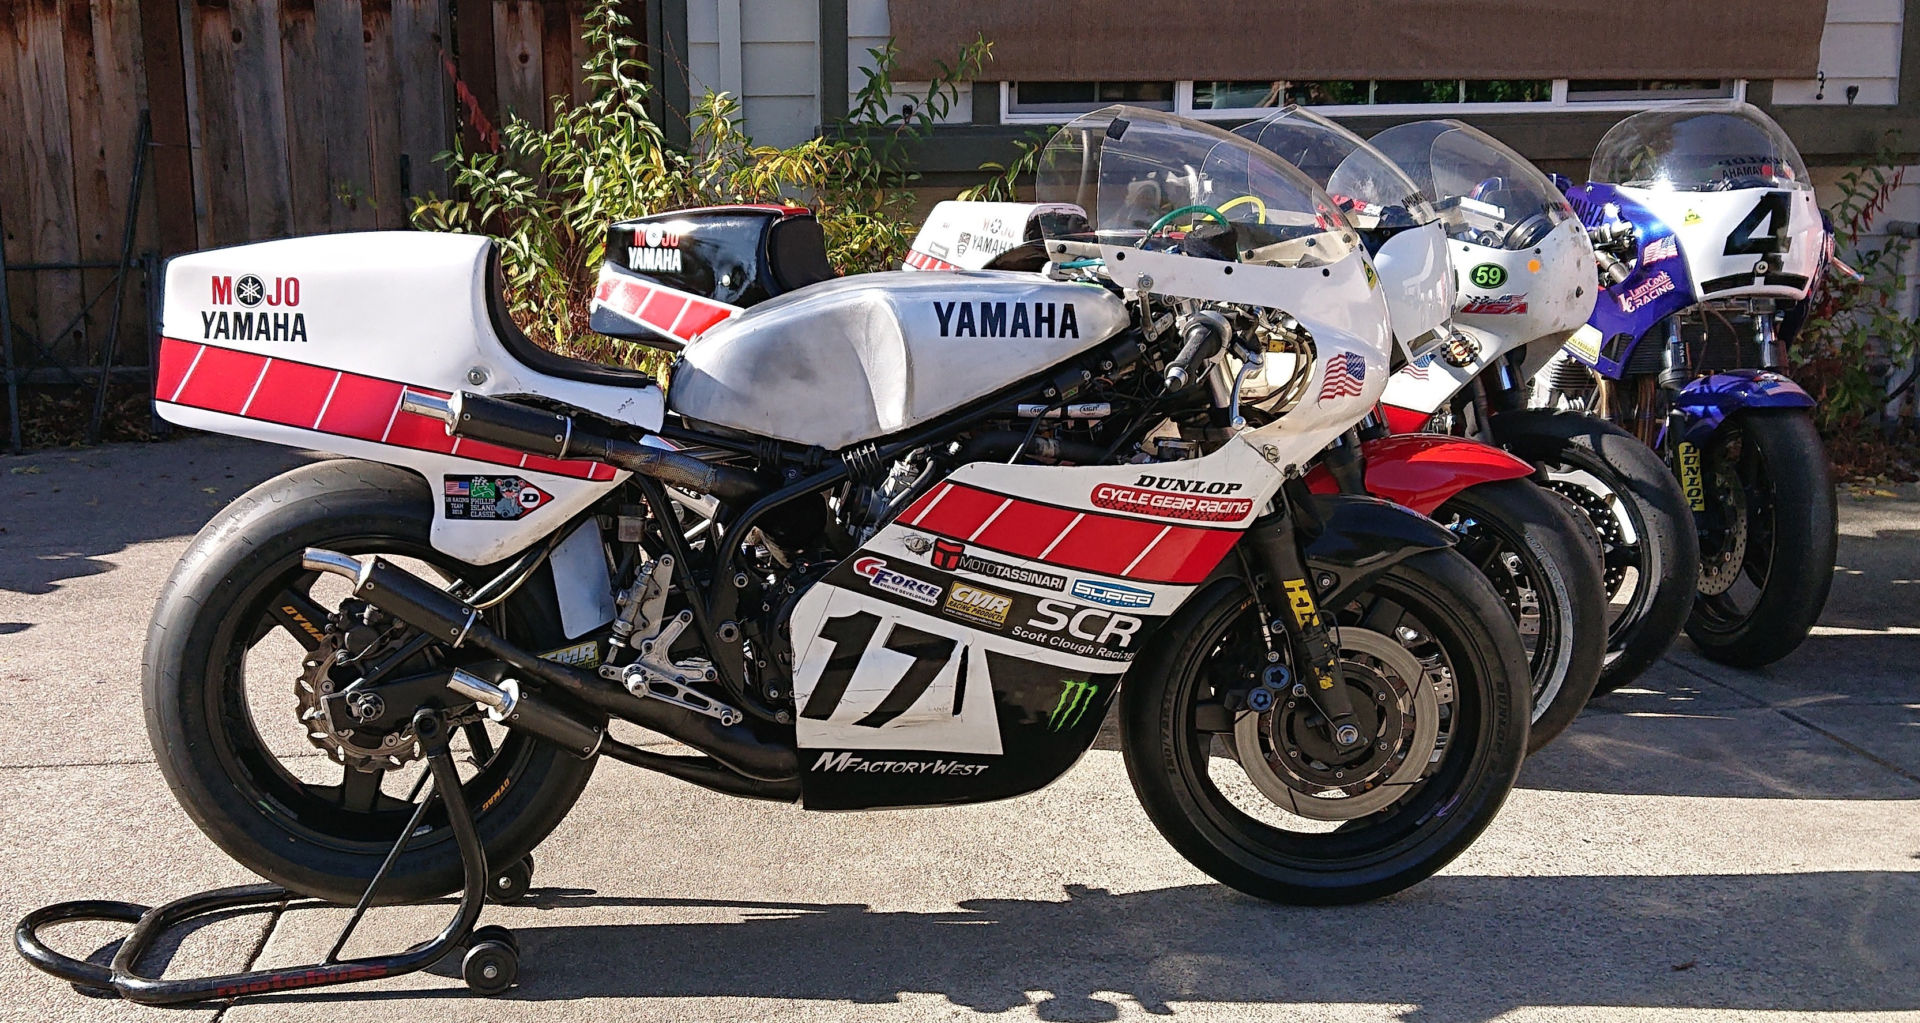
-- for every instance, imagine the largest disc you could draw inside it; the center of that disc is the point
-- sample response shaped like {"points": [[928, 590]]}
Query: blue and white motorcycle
{"points": [[1710, 242]]}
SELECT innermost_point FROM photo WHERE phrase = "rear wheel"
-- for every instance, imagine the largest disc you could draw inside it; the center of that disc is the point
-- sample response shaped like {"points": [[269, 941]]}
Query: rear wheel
{"points": [[1527, 544], [241, 652], [1767, 549], [1649, 551], [1260, 800]]}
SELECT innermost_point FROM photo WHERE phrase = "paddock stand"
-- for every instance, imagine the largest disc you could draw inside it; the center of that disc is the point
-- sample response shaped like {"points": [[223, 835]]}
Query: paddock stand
{"points": [[491, 963]]}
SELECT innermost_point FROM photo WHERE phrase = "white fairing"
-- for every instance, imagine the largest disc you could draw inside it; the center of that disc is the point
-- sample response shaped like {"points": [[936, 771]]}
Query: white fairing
{"points": [[1545, 294], [1418, 286], [316, 357], [1714, 228], [1078, 635], [861, 357], [967, 235]]}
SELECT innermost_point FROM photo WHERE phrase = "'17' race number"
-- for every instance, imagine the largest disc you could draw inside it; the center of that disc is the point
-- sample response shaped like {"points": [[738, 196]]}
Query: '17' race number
{"points": [[850, 636]]}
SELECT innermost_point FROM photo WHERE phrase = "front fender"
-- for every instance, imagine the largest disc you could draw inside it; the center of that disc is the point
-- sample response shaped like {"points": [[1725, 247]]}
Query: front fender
{"points": [[1706, 402], [1423, 471], [1362, 537]]}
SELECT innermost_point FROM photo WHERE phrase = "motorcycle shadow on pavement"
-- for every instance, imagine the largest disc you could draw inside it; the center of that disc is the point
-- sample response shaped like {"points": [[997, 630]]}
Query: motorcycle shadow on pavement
{"points": [[1457, 948], [71, 514]]}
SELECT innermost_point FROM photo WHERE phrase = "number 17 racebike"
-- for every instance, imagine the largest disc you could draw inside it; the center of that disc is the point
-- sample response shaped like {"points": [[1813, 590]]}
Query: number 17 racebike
{"points": [[891, 540]]}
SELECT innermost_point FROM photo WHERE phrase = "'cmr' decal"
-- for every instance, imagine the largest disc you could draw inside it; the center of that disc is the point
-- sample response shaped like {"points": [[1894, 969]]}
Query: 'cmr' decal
{"points": [[1007, 319], [250, 292]]}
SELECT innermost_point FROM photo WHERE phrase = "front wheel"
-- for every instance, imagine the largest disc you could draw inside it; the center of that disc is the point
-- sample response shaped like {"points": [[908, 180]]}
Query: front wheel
{"points": [[1768, 541], [1260, 800], [1528, 545], [1646, 529]]}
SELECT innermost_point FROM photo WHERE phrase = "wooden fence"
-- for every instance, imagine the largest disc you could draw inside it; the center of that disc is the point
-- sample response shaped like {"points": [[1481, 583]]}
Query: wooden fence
{"points": [[270, 118]]}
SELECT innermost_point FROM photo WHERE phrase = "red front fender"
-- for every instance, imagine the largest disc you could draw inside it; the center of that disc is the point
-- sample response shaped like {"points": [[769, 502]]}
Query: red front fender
{"points": [[1422, 470]]}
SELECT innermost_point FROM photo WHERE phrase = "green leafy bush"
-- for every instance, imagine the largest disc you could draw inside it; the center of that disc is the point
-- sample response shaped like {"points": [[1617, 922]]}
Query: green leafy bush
{"points": [[548, 194], [1855, 333]]}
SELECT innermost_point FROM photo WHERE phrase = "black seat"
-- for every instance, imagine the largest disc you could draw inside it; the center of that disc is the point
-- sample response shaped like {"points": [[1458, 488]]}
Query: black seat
{"points": [[527, 353]]}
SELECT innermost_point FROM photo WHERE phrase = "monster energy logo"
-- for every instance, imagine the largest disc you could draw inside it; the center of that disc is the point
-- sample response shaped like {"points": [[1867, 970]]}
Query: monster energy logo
{"points": [[1075, 697]]}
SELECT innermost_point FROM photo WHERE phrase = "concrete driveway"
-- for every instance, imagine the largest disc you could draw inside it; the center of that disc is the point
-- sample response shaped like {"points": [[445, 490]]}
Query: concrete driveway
{"points": [[1715, 844]]}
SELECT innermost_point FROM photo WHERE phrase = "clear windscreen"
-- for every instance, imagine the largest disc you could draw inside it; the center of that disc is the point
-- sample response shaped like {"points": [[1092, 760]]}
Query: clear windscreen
{"points": [[1485, 192], [1710, 146], [1362, 181], [1154, 181]]}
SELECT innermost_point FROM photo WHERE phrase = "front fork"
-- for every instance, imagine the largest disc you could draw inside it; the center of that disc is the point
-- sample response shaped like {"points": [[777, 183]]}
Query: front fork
{"points": [[1277, 549], [1683, 454]]}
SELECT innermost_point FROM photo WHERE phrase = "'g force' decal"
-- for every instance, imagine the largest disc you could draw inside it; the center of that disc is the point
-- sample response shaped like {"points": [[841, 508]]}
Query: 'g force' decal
{"points": [[491, 497], [1007, 319], [880, 577]]}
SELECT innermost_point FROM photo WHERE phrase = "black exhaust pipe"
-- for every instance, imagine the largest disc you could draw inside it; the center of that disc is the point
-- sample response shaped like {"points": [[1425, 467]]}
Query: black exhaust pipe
{"points": [[438, 613]]}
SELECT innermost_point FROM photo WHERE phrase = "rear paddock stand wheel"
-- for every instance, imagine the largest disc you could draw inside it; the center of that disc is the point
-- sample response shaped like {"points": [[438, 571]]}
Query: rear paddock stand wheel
{"points": [[490, 967], [512, 884]]}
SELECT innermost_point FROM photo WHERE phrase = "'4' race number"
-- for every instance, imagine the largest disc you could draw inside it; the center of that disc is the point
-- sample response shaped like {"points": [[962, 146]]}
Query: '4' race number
{"points": [[1763, 232], [850, 636]]}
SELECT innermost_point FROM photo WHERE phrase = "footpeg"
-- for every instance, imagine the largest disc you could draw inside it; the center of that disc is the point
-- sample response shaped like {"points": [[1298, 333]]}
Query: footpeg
{"points": [[648, 681]]}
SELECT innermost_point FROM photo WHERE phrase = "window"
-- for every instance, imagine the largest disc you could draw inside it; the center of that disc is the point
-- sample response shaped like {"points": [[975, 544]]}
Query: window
{"points": [[1602, 90], [1080, 97], [1253, 95], [1046, 102]]}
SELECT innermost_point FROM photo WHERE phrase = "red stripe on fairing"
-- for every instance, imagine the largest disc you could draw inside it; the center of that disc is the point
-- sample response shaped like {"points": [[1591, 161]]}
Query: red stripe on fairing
{"points": [[1186, 555], [222, 379], [361, 407], [292, 394], [676, 313], [174, 360], [699, 318], [662, 311], [1107, 544], [921, 261]]}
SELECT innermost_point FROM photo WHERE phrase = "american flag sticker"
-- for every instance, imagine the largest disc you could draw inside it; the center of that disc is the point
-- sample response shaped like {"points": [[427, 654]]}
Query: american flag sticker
{"points": [[1346, 373], [1419, 368], [456, 487]]}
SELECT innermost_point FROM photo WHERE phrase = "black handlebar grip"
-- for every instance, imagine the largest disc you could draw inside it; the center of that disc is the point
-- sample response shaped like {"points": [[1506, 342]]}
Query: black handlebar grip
{"points": [[510, 424], [1202, 342]]}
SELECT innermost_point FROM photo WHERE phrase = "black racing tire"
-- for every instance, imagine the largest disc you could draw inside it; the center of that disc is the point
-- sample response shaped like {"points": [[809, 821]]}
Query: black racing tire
{"points": [[211, 752], [1551, 558], [1402, 843], [1666, 552], [1792, 558]]}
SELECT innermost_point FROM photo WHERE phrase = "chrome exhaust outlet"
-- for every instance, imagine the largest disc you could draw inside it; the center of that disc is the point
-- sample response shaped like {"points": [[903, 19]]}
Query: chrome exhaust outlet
{"points": [[507, 705], [317, 559]]}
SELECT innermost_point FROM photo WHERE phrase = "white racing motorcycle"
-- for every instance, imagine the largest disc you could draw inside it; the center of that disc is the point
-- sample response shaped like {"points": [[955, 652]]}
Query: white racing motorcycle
{"points": [[1530, 544], [1527, 282], [924, 580]]}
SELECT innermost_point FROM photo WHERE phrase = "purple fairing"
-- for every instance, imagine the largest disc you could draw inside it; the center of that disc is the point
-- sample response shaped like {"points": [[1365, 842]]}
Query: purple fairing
{"points": [[1705, 403], [1657, 288]]}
